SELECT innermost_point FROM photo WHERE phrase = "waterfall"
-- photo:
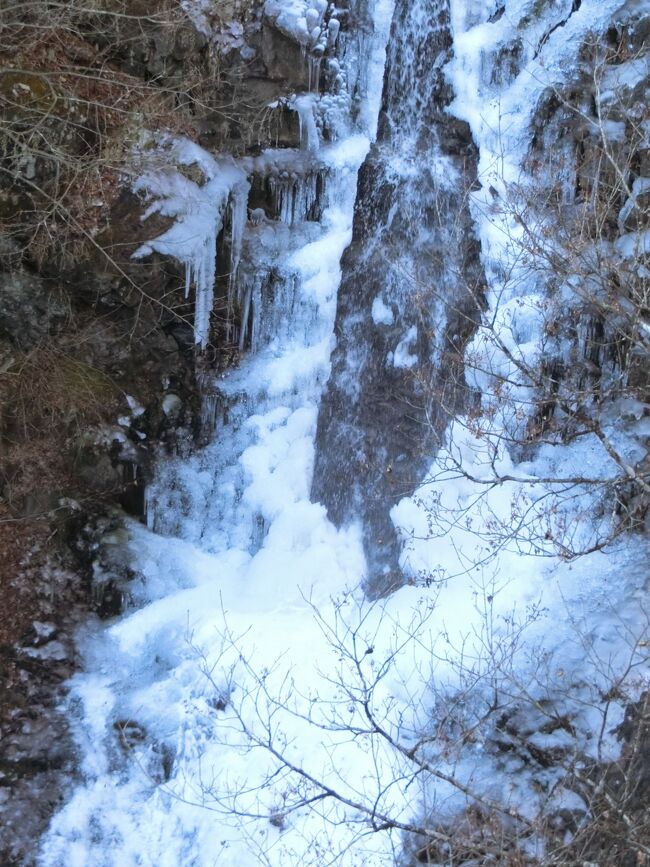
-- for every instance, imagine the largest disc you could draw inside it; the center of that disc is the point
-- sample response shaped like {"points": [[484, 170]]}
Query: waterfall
{"points": [[410, 291]]}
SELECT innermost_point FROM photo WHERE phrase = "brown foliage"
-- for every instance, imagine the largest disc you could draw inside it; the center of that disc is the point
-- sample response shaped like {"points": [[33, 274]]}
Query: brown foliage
{"points": [[70, 119]]}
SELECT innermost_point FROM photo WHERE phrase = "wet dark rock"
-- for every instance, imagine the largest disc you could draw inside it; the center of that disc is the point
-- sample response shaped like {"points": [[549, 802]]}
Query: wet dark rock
{"points": [[144, 45], [36, 752], [110, 600], [498, 14], [39, 633], [507, 63], [379, 423], [130, 733]]}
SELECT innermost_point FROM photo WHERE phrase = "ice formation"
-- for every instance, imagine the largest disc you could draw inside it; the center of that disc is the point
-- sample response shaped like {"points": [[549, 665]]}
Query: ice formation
{"points": [[199, 211]]}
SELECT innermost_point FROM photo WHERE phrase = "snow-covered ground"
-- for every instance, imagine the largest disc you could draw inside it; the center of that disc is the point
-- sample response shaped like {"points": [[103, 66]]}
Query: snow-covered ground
{"points": [[251, 682]]}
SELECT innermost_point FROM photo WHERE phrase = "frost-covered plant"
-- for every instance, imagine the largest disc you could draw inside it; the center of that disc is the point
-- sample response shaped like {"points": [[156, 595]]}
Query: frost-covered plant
{"points": [[557, 375], [449, 751]]}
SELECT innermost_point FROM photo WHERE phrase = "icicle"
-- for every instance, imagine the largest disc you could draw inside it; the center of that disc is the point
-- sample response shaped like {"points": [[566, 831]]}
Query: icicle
{"points": [[245, 312], [287, 210], [282, 189], [238, 203], [299, 199], [333, 27], [256, 301], [314, 72], [208, 412], [199, 211], [304, 105], [204, 277], [296, 197], [149, 513], [313, 18]]}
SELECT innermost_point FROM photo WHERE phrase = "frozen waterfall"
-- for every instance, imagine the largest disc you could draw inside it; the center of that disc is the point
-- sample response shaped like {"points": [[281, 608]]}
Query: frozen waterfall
{"points": [[291, 587]]}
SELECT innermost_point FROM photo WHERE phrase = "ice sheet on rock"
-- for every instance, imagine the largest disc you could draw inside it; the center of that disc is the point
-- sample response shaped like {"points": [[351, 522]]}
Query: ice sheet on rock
{"points": [[381, 312], [402, 356], [237, 544], [640, 187], [304, 105], [197, 11], [623, 76], [290, 17]]}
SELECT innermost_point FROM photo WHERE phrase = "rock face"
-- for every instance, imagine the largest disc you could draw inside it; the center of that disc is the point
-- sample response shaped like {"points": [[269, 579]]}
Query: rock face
{"points": [[37, 758], [412, 278], [411, 289]]}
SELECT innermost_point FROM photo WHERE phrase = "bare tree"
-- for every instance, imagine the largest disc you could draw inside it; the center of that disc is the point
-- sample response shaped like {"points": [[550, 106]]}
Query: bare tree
{"points": [[420, 742]]}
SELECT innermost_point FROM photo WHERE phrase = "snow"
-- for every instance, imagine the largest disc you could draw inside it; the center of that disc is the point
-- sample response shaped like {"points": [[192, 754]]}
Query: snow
{"points": [[290, 18], [634, 245], [498, 590], [624, 76], [234, 559], [54, 650], [640, 187], [225, 35], [402, 356], [171, 404], [136, 408]]}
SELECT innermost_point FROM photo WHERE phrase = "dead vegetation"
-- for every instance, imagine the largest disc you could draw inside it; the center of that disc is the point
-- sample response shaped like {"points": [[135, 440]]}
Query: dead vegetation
{"points": [[70, 120]]}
